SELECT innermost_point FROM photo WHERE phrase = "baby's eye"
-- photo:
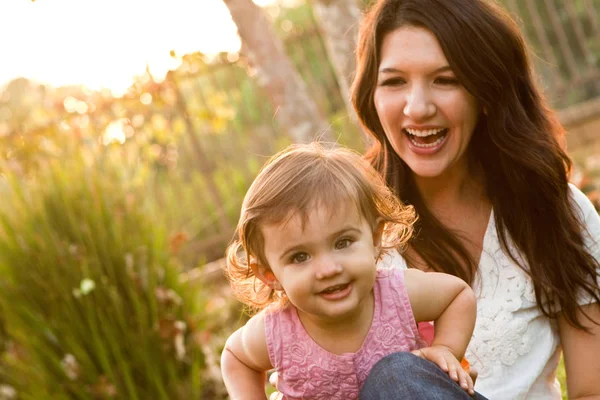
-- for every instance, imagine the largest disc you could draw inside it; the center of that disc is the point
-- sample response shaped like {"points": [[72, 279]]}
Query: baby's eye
{"points": [[299, 258], [343, 243]]}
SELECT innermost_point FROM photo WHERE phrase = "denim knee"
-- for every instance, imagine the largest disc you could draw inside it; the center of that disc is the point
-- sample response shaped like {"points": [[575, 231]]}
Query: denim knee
{"points": [[395, 362], [407, 376]]}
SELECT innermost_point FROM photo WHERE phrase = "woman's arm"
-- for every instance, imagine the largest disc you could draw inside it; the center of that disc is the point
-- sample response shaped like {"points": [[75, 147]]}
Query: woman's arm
{"points": [[582, 354], [448, 301], [581, 349], [245, 360]]}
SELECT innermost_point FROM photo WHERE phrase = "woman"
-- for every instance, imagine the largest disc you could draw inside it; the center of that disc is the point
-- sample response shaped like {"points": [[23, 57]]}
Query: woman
{"points": [[461, 131]]}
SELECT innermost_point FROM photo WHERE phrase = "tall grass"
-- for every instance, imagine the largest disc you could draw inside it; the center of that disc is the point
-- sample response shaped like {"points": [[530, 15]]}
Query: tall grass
{"points": [[90, 298]]}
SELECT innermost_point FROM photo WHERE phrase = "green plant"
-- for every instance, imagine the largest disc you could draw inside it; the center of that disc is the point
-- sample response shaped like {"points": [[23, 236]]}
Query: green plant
{"points": [[90, 296], [562, 378]]}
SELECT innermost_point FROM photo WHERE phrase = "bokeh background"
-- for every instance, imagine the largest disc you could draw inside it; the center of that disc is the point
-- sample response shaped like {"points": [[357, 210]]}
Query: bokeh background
{"points": [[129, 133]]}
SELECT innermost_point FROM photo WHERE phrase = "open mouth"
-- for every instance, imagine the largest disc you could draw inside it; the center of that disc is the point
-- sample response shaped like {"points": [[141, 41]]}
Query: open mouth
{"points": [[336, 292], [334, 289], [426, 138]]}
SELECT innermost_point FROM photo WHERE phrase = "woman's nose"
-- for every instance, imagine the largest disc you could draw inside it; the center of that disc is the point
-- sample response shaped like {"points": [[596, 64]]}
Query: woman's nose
{"points": [[419, 105]]}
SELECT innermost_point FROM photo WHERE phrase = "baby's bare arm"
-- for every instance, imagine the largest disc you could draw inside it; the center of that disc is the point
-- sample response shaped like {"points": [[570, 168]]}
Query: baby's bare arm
{"points": [[448, 301], [245, 360]]}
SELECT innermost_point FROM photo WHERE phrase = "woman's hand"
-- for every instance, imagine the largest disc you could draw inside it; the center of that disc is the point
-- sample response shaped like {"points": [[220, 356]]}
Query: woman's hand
{"points": [[443, 358]]}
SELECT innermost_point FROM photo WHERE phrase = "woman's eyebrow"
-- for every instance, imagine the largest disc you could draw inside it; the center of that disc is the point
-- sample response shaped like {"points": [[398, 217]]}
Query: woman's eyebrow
{"points": [[391, 70]]}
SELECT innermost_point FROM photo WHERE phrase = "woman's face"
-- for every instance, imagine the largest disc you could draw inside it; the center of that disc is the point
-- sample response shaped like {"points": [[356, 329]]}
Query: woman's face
{"points": [[427, 115]]}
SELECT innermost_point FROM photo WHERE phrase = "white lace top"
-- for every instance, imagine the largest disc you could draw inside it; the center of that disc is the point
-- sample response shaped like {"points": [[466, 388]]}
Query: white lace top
{"points": [[514, 347]]}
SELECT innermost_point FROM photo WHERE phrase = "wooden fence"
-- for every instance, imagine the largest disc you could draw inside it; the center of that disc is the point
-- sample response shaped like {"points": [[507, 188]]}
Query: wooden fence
{"points": [[565, 34]]}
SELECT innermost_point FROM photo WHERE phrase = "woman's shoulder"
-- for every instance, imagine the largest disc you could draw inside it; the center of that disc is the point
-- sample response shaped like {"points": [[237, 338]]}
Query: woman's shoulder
{"points": [[583, 204], [589, 218]]}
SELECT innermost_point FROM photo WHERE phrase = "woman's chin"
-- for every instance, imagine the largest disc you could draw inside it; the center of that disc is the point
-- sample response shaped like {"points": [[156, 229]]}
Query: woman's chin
{"points": [[427, 174], [430, 169]]}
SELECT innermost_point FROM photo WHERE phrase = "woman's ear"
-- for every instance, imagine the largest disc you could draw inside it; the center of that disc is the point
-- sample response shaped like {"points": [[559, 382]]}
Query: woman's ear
{"points": [[266, 275]]}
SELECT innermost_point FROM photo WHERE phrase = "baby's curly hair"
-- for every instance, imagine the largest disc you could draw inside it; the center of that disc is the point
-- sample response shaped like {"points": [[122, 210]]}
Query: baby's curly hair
{"points": [[294, 182]]}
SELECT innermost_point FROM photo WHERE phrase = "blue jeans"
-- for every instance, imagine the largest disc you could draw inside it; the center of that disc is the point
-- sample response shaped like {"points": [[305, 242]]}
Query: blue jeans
{"points": [[406, 376]]}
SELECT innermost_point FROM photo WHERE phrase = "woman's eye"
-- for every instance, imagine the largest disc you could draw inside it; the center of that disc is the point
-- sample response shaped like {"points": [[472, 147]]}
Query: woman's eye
{"points": [[299, 258], [392, 82], [342, 244], [447, 81]]}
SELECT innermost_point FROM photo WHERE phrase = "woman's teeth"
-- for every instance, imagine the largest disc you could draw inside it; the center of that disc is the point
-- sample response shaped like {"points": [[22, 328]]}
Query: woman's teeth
{"points": [[424, 133], [426, 138]]}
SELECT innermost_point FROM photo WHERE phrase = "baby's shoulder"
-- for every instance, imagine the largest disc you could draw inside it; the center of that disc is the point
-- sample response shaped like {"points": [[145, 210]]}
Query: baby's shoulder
{"points": [[256, 323]]}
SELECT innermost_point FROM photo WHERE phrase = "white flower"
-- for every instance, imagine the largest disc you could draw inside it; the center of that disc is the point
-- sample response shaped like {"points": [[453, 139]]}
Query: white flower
{"points": [[70, 366], [7, 392]]}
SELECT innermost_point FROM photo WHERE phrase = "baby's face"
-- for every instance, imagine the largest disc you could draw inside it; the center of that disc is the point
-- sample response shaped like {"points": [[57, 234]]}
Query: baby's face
{"points": [[326, 265]]}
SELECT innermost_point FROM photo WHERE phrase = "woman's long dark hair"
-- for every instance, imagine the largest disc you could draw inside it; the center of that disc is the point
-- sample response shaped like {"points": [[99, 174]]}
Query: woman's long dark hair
{"points": [[517, 143]]}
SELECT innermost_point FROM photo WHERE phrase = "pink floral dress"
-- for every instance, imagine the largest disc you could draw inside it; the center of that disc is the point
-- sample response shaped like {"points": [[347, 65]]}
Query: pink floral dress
{"points": [[307, 371]]}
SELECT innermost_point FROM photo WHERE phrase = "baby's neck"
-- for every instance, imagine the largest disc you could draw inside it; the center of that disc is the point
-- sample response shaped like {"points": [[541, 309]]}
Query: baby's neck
{"points": [[345, 335]]}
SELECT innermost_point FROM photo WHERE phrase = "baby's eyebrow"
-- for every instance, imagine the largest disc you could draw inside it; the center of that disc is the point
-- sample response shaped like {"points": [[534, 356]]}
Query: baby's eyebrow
{"points": [[289, 251]]}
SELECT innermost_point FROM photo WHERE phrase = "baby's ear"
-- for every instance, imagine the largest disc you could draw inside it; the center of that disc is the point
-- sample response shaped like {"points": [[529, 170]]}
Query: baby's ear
{"points": [[266, 275]]}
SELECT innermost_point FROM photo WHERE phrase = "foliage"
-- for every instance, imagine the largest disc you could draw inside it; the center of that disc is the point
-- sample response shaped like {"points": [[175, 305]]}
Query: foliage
{"points": [[91, 299], [562, 378]]}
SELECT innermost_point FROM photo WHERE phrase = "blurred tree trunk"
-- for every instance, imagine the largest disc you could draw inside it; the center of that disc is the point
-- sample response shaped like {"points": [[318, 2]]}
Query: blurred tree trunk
{"points": [[296, 111], [339, 21]]}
